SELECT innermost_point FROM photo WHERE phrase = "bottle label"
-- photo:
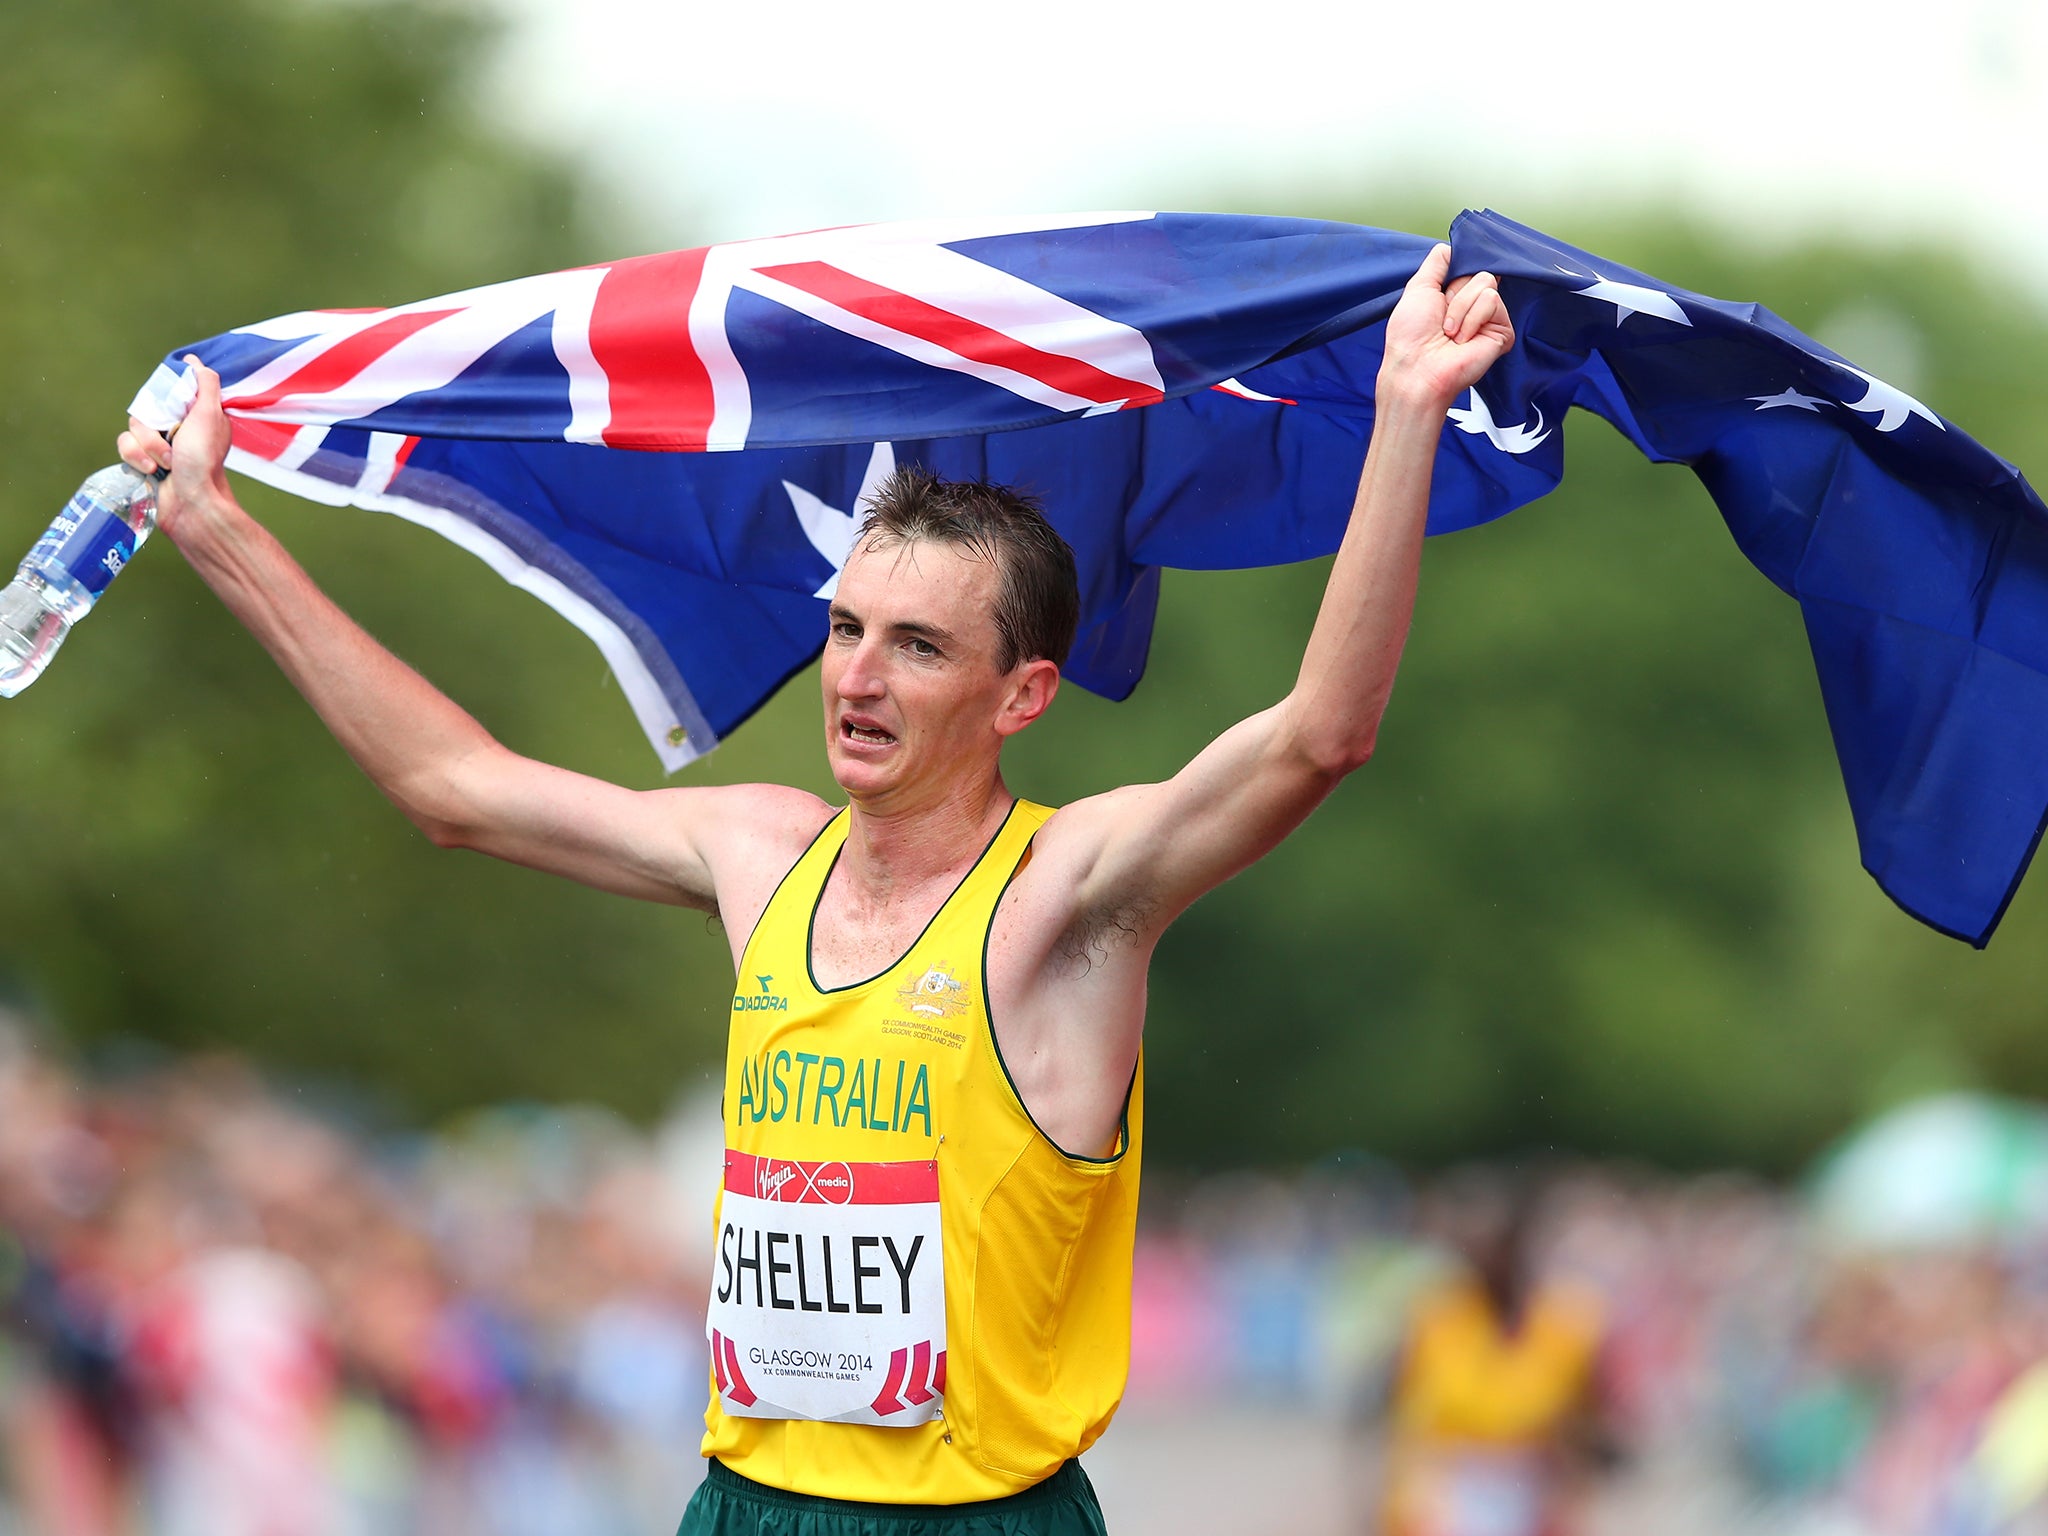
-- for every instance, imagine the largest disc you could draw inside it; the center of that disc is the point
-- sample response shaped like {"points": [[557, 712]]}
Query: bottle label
{"points": [[87, 544]]}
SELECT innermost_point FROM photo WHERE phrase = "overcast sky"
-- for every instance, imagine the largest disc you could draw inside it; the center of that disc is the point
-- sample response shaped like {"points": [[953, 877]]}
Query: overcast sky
{"points": [[1771, 116]]}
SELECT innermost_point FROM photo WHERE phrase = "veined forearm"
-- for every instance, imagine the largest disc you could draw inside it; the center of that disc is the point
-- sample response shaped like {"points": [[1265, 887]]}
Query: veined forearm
{"points": [[1347, 671], [1165, 844], [402, 731]]}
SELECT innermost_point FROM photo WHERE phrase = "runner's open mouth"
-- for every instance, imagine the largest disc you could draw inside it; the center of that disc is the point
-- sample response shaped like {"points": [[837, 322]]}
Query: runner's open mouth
{"points": [[872, 735]]}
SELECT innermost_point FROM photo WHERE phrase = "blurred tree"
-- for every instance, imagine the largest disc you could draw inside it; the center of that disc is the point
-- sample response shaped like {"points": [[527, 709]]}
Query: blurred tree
{"points": [[1599, 890], [194, 861]]}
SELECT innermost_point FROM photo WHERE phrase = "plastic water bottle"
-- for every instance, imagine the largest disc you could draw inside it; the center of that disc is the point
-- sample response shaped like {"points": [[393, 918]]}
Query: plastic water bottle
{"points": [[88, 545]]}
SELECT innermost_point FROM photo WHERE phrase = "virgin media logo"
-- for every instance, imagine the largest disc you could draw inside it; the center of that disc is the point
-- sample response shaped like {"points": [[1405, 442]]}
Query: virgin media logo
{"points": [[803, 1183]]}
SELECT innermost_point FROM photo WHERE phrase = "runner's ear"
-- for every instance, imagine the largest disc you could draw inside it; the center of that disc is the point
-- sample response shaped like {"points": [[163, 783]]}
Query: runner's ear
{"points": [[1031, 693]]}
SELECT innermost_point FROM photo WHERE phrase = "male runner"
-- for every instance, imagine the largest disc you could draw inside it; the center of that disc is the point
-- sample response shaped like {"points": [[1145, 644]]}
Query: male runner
{"points": [[933, 1111]]}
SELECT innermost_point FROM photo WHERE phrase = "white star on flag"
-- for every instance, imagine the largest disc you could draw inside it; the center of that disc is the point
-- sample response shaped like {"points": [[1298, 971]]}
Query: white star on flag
{"points": [[1630, 298], [1790, 396], [830, 530], [1888, 403]]}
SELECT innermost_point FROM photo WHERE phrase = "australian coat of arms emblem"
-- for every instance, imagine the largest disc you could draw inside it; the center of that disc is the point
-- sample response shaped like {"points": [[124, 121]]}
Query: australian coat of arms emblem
{"points": [[937, 994]]}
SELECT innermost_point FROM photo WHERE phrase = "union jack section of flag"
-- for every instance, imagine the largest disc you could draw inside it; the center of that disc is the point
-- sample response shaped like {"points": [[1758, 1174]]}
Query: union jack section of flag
{"points": [[1181, 390], [973, 327]]}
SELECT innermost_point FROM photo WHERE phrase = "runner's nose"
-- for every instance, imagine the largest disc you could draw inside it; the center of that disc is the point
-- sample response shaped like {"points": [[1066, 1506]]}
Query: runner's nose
{"points": [[860, 678]]}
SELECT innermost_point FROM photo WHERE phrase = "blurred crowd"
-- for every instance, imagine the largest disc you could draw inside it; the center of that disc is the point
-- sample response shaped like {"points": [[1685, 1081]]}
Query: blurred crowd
{"points": [[220, 1312], [224, 1317], [1550, 1351]]}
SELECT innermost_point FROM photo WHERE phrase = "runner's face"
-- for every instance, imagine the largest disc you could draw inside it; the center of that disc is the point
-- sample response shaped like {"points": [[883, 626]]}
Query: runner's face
{"points": [[912, 694]]}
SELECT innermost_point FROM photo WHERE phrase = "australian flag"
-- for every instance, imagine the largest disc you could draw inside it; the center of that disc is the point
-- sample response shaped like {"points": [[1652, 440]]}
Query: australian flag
{"points": [[672, 451]]}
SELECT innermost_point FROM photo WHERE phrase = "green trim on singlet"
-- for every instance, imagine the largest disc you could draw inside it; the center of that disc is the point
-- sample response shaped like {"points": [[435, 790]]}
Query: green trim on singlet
{"points": [[811, 927], [988, 1011]]}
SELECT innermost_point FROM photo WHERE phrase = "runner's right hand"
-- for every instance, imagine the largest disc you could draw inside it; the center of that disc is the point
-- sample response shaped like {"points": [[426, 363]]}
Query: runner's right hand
{"points": [[196, 457]]}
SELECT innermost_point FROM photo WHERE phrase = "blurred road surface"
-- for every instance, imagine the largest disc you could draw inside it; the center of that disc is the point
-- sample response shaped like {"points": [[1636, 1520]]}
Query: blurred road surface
{"points": [[1198, 1470], [1164, 1470]]}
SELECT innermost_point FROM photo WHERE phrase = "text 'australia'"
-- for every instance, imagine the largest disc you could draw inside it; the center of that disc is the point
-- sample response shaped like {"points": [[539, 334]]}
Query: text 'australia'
{"points": [[805, 1088]]}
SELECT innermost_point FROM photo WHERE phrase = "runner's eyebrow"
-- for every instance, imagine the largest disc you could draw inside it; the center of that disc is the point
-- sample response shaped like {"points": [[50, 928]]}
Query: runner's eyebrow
{"points": [[937, 634]]}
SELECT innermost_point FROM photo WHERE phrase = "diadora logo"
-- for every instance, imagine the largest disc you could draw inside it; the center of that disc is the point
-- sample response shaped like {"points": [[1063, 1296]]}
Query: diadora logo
{"points": [[762, 1001]]}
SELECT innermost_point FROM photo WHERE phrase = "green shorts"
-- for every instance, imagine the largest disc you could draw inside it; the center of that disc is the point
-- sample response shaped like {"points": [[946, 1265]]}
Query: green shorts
{"points": [[730, 1505]]}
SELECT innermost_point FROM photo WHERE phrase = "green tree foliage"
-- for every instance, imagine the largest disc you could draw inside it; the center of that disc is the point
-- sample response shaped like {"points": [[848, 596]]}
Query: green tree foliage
{"points": [[191, 860], [1599, 890]]}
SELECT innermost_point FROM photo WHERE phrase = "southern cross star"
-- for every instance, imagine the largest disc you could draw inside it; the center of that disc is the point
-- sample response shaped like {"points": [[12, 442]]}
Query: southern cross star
{"points": [[1790, 396], [830, 530], [1630, 298]]}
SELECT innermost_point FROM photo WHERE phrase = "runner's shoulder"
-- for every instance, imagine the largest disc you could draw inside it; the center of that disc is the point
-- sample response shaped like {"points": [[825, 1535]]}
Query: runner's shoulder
{"points": [[1075, 833], [1052, 885], [770, 824]]}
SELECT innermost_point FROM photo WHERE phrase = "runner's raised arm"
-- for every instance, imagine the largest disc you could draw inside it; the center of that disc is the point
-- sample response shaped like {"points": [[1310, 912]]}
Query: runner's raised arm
{"points": [[1156, 847], [455, 781]]}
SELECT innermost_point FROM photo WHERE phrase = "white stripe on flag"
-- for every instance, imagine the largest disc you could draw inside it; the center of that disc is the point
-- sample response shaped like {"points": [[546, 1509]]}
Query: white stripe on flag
{"points": [[732, 399], [733, 264], [428, 359], [590, 391], [165, 397], [931, 353], [994, 299], [380, 463], [301, 448]]}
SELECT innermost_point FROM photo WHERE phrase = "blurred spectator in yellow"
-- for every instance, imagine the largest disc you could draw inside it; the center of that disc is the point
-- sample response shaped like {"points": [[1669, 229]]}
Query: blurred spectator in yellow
{"points": [[1493, 1398]]}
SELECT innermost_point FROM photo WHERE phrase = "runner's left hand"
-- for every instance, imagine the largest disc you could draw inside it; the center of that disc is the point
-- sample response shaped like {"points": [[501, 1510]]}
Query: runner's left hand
{"points": [[1442, 339]]}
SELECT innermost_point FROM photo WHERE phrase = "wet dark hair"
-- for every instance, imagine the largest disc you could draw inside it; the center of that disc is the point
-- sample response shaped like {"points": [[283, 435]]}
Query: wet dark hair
{"points": [[1038, 602]]}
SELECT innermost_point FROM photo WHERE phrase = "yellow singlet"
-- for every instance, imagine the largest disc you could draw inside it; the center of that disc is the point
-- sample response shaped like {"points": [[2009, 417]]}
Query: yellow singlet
{"points": [[868, 1127]]}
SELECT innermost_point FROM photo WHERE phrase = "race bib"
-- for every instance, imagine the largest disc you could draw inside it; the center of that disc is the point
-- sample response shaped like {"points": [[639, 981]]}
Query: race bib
{"points": [[828, 1291]]}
